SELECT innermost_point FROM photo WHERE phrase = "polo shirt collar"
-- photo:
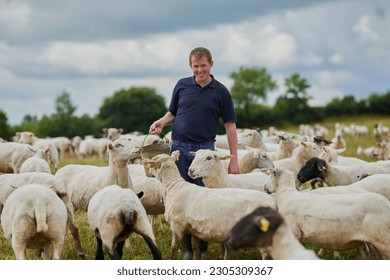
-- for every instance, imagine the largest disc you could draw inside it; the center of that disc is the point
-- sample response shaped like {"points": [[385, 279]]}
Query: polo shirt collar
{"points": [[211, 84]]}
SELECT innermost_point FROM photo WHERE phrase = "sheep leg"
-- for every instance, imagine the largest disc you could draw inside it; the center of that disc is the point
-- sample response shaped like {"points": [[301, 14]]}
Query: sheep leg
{"points": [[195, 247], [74, 231], [19, 248], [153, 248], [119, 249], [175, 245], [99, 249], [46, 253], [224, 252]]}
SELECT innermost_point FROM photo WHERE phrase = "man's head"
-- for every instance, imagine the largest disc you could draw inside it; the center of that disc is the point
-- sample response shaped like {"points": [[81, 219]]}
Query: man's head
{"points": [[200, 52]]}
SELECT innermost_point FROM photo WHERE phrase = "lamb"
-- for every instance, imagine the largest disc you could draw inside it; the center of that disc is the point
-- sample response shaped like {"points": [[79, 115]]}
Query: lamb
{"points": [[27, 137], [35, 217], [64, 146], [335, 222], [208, 166], [46, 179], [266, 228], [12, 156], [83, 181], [334, 175], [285, 148], [207, 214], [332, 156], [39, 162], [113, 214]]}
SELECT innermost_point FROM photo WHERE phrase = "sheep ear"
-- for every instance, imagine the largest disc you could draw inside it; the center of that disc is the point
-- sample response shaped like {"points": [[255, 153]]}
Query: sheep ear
{"points": [[151, 164], [175, 155], [193, 153], [224, 157], [339, 151], [321, 166], [13, 187]]}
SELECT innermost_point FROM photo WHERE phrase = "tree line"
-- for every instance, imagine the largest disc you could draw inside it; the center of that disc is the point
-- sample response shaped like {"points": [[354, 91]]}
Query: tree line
{"points": [[135, 108]]}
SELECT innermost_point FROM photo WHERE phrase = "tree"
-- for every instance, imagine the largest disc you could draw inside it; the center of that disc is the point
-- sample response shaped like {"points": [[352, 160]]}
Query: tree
{"points": [[4, 127], [133, 109], [251, 85], [64, 107], [293, 105]]}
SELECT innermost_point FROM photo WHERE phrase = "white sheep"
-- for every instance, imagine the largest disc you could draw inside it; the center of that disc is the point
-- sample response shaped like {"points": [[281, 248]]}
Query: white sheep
{"points": [[383, 150], [332, 156], [207, 214], [112, 133], [338, 141], [336, 222], [34, 217], [334, 175], [254, 139], [301, 154], [266, 228], [254, 159], [46, 179], [83, 181], [113, 214], [27, 137], [12, 156], [39, 162], [207, 164], [64, 146]]}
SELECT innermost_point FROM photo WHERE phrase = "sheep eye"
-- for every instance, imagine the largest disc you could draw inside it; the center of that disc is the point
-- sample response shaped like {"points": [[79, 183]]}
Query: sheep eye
{"points": [[209, 158], [118, 145]]}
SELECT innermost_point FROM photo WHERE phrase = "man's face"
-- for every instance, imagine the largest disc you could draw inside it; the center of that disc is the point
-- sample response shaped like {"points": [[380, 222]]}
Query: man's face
{"points": [[201, 68]]}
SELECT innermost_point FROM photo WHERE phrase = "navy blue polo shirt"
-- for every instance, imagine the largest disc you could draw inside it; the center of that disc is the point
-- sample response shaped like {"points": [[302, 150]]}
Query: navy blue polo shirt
{"points": [[197, 110]]}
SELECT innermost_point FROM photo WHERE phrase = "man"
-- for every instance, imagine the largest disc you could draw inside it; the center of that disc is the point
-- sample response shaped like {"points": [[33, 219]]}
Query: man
{"points": [[197, 104]]}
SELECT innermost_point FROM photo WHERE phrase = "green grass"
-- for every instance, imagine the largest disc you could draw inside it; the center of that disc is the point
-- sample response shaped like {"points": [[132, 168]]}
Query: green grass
{"points": [[137, 248]]}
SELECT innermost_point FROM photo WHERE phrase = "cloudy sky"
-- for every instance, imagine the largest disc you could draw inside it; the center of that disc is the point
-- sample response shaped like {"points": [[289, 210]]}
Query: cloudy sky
{"points": [[93, 48]]}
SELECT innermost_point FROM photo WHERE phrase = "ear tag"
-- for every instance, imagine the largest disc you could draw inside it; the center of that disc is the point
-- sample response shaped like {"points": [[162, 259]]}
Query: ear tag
{"points": [[268, 172], [148, 165], [264, 224]]}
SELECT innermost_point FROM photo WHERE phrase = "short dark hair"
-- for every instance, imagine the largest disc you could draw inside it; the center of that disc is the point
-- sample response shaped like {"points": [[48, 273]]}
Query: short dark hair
{"points": [[200, 52]]}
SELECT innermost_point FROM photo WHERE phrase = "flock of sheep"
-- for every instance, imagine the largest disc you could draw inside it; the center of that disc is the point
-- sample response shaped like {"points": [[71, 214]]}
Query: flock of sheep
{"points": [[268, 206]]}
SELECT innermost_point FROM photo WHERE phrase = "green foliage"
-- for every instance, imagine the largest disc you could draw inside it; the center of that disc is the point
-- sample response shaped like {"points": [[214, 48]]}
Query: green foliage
{"points": [[250, 86], [134, 109], [4, 127]]}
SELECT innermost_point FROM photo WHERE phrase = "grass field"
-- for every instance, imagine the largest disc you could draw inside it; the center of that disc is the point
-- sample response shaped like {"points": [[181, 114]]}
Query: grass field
{"points": [[138, 250]]}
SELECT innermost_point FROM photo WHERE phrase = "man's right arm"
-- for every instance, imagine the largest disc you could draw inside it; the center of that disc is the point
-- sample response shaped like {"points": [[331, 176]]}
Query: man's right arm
{"points": [[157, 126]]}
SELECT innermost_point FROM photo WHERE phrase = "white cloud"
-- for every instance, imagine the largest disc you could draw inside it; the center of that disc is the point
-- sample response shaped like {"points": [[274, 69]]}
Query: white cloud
{"points": [[364, 29], [336, 58], [14, 12]]}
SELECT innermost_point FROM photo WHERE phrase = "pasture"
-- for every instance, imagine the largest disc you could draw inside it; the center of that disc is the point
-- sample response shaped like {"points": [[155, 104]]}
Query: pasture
{"points": [[136, 249]]}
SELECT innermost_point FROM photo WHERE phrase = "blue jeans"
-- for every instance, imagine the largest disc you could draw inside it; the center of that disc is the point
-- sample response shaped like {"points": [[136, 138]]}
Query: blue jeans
{"points": [[186, 157]]}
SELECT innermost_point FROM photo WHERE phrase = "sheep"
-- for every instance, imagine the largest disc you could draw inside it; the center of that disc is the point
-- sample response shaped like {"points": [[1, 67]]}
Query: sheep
{"points": [[338, 141], [46, 179], [266, 228], [39, 162], [383, 150], [335, 222], [64, 146], [381, 132], [254, 159], [254, 139], [208, 166], [88, 147], [83, 181], [334, 175], [285, 148], [301, 154], [332, 155], [207, 214], [112, 133], [27, 137], [12, 156], [368, 153], [113, 214], [35, 217]]}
